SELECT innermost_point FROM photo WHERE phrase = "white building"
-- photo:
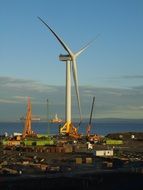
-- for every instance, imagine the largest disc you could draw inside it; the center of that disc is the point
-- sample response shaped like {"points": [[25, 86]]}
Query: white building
{"points": [[104, 152]]}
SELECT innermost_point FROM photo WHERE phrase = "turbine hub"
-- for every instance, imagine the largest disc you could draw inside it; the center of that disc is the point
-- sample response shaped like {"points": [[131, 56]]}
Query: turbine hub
{"points": [[64, 57]]}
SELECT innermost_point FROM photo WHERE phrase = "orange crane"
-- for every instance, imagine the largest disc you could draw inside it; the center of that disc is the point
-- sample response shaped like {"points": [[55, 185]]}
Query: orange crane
{"points": [[27, 129], [70, 131]]}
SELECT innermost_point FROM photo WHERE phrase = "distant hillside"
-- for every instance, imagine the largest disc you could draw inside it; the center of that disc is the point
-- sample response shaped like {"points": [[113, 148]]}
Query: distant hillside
{"points": [[112, 120]]}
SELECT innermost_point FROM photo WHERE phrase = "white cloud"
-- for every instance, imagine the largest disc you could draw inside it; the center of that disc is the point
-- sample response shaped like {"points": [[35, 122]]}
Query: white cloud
{"points": [[110, 102], [21, 97], [141, 107], [23, 84], [133, 77], [7, 101]]}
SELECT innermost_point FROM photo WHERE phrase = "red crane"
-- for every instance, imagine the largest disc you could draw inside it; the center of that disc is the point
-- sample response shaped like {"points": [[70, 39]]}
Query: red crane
{"points": [[89, 124], [91, 137], [27, 129]]}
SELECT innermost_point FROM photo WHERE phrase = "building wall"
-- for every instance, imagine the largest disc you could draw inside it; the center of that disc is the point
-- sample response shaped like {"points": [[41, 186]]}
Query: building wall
{"points": [[104, 152]]}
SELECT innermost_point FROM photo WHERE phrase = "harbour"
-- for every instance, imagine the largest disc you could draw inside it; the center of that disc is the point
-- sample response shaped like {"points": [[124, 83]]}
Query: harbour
{"points": [[36, 166], [68, 162]]}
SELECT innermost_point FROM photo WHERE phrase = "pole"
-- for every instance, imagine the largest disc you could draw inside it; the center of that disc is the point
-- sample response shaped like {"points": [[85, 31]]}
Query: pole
{"points": [[68, 92], [48, 117]]}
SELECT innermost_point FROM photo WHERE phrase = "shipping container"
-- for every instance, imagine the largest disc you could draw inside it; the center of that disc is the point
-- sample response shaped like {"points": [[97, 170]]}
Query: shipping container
{"points": [[113, 142], [88, 160], [78, 160], [38, 142]]}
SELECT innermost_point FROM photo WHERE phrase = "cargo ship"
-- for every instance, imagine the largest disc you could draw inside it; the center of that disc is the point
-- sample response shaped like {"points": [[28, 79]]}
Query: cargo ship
{"points": [[56, 119], [34, 118]]}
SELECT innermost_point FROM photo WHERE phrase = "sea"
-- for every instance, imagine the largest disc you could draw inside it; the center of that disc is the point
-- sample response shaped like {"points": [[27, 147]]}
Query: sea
{"points": [[100, 127]]}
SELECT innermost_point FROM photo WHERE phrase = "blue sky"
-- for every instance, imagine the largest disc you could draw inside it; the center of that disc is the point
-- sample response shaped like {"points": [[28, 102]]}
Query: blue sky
{"points": [[111, 68]]}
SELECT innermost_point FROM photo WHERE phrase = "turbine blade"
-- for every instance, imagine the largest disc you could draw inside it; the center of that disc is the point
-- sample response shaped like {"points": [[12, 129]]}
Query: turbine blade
{"points": [[58, 38], [74, 70], [85, 47]]}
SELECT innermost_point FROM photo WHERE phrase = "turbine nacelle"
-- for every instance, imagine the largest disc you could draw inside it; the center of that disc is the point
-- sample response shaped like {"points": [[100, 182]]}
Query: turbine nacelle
{"points": [[65, 57]]}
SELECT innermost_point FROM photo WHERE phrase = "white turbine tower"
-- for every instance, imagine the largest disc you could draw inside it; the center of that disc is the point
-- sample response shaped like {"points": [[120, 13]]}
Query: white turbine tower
{"points": [[70, 59]]}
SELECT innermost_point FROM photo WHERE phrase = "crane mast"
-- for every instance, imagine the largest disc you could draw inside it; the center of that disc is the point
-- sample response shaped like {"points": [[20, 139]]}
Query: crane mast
{"points": [[89, 124], [27, 129]]}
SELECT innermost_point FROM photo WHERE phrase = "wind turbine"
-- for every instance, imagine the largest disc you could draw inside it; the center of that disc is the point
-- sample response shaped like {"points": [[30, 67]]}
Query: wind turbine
{"points": [[70, 59]]}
